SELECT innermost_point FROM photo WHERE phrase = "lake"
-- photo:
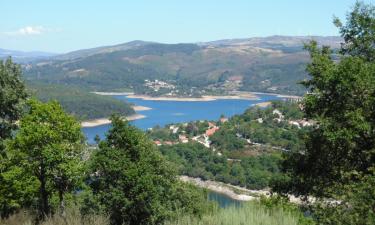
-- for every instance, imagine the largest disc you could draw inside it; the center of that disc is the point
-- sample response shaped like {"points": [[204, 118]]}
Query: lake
{"points": [[167, 112], [223, 200]]}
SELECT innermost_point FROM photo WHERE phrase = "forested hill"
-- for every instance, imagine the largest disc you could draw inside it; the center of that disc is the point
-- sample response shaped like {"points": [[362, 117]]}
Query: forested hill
{"points": [[80, 103], [271, 64]]}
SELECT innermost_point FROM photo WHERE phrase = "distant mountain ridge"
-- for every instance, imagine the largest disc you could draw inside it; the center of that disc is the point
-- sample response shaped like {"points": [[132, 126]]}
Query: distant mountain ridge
{"points": [[333, 41], [23, 56], [268, 64]]}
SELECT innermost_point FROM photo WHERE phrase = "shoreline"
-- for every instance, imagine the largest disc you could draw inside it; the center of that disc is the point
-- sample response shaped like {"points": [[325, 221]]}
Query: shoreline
{"points": [[236, 192], [263, 104], [104, 121], [111, 93], [204, 98], [239, 95], [231, 191], [141, 108]]}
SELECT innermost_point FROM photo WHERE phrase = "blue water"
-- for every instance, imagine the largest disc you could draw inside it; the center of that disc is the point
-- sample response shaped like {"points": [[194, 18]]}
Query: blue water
{"points": [[167, 112], [223, 200]]}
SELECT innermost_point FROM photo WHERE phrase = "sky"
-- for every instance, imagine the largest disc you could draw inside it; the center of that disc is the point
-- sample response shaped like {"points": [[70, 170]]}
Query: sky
{"points": [[67, 25]]}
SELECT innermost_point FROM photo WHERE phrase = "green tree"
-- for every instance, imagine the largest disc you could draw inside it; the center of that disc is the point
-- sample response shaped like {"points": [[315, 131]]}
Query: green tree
{"points": [[359, 32], [342, 101], [47, 148], [12, 96], [133, 181]]}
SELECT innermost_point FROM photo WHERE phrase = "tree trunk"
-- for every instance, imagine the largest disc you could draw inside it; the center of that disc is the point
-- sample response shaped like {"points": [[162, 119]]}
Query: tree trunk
{"points": [[62, 204], [44, 207]]}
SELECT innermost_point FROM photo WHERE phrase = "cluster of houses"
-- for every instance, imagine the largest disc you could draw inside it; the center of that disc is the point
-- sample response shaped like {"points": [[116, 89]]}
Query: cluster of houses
{"points": [[156, 85], [279, 117], [202, 138]]}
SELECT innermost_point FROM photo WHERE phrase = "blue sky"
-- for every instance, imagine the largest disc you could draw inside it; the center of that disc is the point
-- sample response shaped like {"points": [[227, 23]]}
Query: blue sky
{"points": [[66, 25]]}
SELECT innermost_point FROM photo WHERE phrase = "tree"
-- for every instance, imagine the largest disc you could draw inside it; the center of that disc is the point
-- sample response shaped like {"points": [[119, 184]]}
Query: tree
{"points": [[133, 182], [359, 32], [48, 147], [12, 97], [342, 100]]}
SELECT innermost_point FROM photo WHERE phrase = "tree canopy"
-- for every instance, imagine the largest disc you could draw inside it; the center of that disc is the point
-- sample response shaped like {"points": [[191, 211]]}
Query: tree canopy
{"points": [[341, 99], [12, 95], [133, 182], [46, 153]]}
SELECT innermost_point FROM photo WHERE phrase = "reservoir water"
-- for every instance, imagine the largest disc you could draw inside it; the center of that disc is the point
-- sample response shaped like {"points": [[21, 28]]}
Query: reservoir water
{"points": [[222, 200], [167, 112]]}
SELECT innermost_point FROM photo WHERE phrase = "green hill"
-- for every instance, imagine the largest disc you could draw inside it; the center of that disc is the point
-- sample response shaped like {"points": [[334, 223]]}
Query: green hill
{"points": [[272, 64], [80, 103]]}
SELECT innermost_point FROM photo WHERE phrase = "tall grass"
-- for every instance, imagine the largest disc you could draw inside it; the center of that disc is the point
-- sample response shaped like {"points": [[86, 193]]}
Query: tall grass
{"points": [[251, 213], [72, 217]]}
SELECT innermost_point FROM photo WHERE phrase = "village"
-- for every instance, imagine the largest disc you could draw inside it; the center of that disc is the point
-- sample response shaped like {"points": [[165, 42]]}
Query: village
{"points": [[202, 131]]}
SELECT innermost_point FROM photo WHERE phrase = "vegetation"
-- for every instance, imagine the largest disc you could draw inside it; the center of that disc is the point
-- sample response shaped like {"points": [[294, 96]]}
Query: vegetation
{"points": [[338, 162], [271, 130], [46, 155], [46, 171], [12, 95], [79, 102], [134, 183], [268, 66], [253, 213], [195, 160]]}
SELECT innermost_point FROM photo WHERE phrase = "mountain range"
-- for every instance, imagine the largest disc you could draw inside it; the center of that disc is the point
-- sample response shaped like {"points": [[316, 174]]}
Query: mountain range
{"points": [[268, 64]]}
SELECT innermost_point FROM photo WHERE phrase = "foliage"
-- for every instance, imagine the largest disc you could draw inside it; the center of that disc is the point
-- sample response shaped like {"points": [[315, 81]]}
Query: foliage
{"points": [[195, 160], [356, 205], [359, 32], [46, 153], [249, 213], [341, 100], [133, 181], [283, 203], [270, 131], [12, 95], [337, 165], [79, 102]]}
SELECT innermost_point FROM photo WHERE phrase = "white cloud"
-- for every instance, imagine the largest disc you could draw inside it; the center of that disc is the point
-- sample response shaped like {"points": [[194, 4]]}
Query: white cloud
{"points": [[30, 30]]}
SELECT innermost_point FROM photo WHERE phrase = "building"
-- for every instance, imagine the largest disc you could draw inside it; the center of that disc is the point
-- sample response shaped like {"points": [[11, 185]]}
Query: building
{"points": [[183, 138], [211, 131], [223, 119]]}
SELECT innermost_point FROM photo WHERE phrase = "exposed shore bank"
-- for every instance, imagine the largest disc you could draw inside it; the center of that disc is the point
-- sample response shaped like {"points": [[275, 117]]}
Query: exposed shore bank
{"points": [[140, 108], [233, 192], [238, 95], [204, 98], [263, 104], [103, 121], [238, 193]]}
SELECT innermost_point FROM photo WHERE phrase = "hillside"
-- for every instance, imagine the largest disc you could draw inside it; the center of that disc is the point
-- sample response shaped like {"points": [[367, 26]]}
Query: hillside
{"points": [[80, 103], [271, 64]]}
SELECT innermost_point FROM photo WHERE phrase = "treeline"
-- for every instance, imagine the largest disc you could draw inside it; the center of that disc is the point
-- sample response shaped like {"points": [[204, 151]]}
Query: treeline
{"points": [[195, 160], [263, 126], [80, 102]]}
